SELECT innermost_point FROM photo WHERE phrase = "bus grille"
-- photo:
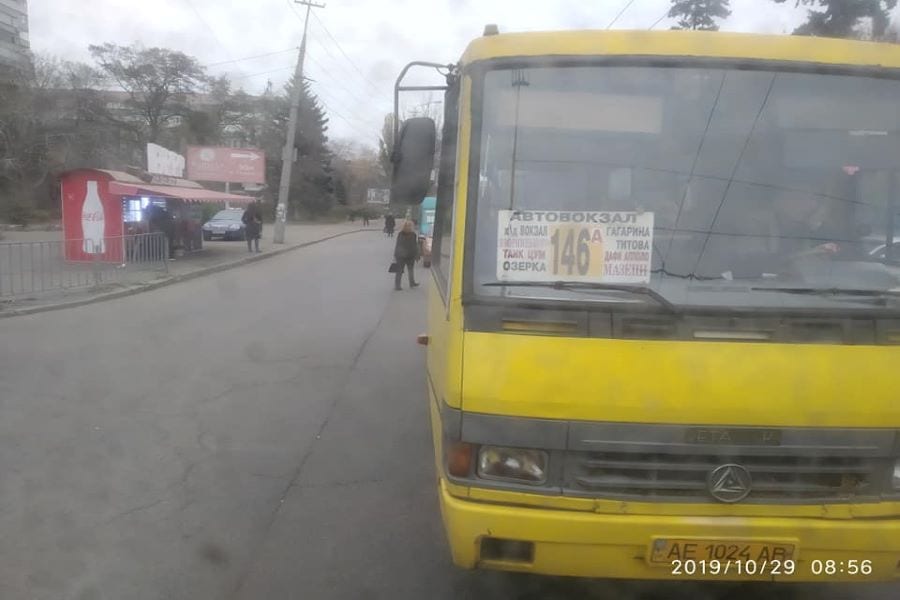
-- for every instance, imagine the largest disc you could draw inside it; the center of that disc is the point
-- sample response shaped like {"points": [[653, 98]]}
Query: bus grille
{"points": [[684, 477]]}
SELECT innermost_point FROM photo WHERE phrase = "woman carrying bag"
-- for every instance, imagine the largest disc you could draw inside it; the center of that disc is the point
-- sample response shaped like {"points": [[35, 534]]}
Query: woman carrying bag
{"points": [[406, 253]]}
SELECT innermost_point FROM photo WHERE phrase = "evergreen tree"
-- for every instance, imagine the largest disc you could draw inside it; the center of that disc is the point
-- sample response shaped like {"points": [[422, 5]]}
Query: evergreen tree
{"points": [[312, 188], [699, 14]]}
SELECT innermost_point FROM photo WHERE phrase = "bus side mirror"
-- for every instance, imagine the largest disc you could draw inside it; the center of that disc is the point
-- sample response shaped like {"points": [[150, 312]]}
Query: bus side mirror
{"points": [[413, 161]]}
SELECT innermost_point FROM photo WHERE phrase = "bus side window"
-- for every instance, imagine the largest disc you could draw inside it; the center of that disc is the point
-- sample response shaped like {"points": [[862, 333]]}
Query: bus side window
{"points": [[442, 242]]}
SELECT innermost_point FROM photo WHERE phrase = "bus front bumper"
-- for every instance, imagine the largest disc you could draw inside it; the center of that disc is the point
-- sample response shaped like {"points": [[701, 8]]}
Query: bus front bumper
{"points": [[584, 544]]}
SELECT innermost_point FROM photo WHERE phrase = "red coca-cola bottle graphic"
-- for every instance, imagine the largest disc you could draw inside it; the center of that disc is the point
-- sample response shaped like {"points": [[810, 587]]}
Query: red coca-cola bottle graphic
{"points": [[93, 221]]}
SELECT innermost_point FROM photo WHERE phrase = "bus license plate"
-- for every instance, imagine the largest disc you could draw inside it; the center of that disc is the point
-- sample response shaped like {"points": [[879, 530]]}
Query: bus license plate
{"points": [[664, 550]]}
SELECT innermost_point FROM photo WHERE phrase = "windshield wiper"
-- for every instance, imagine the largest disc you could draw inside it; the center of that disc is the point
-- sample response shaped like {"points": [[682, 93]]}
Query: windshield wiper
{"points": [[641, 290], [809, 291]]}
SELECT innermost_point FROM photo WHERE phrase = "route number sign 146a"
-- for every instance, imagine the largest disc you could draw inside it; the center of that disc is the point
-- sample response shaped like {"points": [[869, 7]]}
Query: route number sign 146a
{"points": [[602, 247]]}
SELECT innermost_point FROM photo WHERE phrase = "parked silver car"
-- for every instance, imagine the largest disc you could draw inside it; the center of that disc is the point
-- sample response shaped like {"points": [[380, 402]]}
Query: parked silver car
{"points": [[225, 224]]}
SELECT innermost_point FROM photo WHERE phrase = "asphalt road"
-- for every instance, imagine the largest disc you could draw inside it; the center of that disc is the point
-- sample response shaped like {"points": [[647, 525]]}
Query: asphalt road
{"points": [[257, 434]]}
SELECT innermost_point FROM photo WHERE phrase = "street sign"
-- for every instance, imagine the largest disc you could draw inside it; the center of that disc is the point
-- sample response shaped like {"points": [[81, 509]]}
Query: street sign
{"points": [[162, 161], [163, 180], [231, 165], [378, 196]]}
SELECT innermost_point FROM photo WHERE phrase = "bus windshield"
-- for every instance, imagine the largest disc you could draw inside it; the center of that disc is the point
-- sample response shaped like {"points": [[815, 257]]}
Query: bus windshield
{"points": [[711, 186]]}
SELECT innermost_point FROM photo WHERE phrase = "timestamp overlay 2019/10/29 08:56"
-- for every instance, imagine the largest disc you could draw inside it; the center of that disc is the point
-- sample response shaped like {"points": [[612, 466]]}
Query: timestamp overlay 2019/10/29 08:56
{"points": [[693, 558], [770, 568]]}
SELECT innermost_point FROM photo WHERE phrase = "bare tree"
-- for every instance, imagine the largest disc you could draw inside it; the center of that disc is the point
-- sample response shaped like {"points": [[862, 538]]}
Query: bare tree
{"points": [[158, 82], [386, 145], [356, 169]]}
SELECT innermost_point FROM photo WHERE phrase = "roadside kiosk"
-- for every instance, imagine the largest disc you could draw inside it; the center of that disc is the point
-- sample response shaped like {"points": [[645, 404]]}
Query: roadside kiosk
{"points": [[103, 211]]}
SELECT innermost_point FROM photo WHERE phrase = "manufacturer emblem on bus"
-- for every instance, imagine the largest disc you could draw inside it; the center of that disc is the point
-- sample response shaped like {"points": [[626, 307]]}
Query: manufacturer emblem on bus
{"points": [[729, 483]]}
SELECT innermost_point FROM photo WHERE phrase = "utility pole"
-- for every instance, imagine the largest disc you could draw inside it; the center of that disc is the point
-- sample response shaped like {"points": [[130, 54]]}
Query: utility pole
{"points": [[287, 155]]}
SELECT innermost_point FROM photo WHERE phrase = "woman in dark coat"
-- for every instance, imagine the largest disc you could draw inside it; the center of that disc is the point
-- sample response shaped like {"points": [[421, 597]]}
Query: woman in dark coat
{"points": [[252, 226], [406, 252]]}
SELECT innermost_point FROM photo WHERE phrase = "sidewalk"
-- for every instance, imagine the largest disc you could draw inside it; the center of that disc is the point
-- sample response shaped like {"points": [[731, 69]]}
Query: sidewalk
{"points": [[216, 256], [219, 253]]}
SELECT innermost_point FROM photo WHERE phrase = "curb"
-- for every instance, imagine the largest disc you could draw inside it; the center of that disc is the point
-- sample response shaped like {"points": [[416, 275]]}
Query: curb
{"points": [[146, 287]]}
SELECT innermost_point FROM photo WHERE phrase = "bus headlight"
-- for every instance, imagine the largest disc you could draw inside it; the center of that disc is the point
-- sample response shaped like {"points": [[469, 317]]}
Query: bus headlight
{"points": [[895, 480], [512, 464]]}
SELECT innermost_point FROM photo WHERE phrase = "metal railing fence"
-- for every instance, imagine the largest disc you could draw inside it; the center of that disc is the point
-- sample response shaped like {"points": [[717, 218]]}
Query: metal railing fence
{"points": [[33, 268]]}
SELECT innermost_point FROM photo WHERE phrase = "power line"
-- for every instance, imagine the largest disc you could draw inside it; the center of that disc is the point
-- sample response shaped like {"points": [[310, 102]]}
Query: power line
{"points": [[343, 68], [324, 71], [621, 12], [355, 127], [659, 20], [350, 60], [263, 72], [356, 123], [320, 93], [206, 24], [333, 56], [335, 99], [236, 60], [290, 4], [737, 166], [331, 111], [328, 72], [344, 106]]}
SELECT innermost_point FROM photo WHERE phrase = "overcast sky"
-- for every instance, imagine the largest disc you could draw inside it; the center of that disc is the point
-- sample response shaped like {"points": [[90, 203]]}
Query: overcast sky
{"points": [[353, 73]]}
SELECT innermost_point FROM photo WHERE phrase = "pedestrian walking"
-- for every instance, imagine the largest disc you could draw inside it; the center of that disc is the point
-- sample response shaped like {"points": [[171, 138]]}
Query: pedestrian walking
{"points": [[252, 221], [406, 253], [389, 223], [365, 219]]}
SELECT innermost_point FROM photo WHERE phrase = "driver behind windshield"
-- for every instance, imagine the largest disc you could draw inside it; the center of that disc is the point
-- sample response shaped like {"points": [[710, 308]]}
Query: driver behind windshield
{"points": [[807, 223], [791, 224]]}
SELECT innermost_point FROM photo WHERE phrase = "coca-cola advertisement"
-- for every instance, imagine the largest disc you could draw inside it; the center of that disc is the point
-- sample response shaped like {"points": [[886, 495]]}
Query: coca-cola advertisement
{"points": [[92, 218]]}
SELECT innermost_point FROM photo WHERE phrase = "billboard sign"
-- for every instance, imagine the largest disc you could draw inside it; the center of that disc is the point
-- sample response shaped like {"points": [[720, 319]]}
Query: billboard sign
{"points": [[162, 161], [378, 196], [230, 165]]}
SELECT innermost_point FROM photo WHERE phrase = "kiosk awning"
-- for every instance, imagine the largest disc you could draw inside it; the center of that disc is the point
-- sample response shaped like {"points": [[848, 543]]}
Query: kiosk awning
{"points": [[187, 194]]}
